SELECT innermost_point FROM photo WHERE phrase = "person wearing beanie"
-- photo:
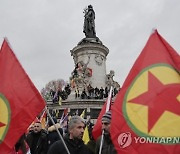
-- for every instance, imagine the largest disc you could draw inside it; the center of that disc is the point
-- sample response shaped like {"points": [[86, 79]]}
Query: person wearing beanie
{"points": [[107, 146]]}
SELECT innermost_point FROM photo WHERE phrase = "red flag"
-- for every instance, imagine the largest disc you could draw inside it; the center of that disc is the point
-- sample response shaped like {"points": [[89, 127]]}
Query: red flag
{"points": [[146, 112], [97, 129], [96, 132], [20, 101]]}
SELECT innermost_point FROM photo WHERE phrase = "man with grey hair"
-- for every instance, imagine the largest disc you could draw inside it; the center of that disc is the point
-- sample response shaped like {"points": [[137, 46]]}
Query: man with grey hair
{"points": [[73, 139]]}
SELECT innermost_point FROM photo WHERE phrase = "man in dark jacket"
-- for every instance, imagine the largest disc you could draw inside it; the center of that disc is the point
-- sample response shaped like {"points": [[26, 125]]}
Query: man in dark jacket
{"points": [[73, 140], [37, 140], [107, 145]]}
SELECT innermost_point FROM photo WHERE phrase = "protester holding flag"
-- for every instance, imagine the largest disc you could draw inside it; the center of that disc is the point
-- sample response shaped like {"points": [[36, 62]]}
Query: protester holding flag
{"points": [[73, 140], [105, 145], [37, 140]]}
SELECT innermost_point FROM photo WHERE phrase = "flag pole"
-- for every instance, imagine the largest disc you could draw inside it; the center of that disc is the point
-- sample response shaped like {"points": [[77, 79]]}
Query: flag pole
{"points": [[107, 109], [47, 111]]}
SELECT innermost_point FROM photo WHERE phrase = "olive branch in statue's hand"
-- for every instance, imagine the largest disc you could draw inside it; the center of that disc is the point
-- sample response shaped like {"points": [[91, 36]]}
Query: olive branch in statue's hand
{"points": [[85, 10]]}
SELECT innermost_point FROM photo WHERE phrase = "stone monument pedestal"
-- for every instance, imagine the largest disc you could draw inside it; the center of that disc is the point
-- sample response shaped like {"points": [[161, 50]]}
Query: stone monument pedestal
{"points": [[90, 56]]}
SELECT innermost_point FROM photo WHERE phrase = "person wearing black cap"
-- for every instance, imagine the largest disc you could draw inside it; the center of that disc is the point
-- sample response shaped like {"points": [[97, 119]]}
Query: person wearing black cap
{"points": [[107, 145]]}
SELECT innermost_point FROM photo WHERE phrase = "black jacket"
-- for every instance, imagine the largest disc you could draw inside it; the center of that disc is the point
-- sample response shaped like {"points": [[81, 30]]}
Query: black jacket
{"points": [[53, 136], [75, 147], [107, 147], [37, 142]]}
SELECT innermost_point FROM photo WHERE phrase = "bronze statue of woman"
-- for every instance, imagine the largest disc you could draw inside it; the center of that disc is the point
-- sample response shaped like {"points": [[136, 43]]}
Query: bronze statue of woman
{"points": [[89, 22]]}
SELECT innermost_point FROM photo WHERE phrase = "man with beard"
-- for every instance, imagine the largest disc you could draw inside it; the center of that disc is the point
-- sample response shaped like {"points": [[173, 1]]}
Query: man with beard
{"points": [[107, 145], [73, 139], [37, 139]]}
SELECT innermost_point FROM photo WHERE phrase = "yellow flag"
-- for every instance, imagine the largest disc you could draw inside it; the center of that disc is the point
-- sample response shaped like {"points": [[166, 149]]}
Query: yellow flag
{"points": [[57, 113], [82, 114], [86, 138]]}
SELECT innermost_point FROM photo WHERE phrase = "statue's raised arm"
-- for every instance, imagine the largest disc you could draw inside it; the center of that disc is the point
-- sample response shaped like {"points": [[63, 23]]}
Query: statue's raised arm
{"points": [[89, 22]]}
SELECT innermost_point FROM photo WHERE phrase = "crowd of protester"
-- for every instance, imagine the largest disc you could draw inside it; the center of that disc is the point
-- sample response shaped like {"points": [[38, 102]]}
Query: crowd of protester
{"points": [[87, 93], [60, 94], [94, 93], [47, 141]]}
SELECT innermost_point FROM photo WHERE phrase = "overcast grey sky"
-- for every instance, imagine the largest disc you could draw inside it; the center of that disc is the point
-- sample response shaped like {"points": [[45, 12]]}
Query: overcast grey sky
{"points": [[42, 32]]}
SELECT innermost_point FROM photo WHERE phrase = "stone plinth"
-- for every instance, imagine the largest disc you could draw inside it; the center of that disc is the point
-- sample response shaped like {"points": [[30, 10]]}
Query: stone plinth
{"points": [[92, 54]]}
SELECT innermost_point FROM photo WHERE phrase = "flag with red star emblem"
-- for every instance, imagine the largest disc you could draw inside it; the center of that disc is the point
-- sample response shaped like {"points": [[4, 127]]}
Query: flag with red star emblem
{"points": [[146, 112], [20, 101]]}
